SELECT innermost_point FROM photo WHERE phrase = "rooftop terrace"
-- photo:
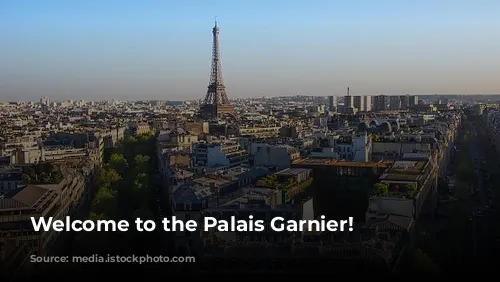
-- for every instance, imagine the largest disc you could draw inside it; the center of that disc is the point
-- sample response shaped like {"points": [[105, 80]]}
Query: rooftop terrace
{"points": [[405, 171], [335, 162]]}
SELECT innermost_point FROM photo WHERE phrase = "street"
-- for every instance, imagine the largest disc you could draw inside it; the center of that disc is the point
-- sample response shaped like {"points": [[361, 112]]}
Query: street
{"points": [[467, 215], [483, 214]]}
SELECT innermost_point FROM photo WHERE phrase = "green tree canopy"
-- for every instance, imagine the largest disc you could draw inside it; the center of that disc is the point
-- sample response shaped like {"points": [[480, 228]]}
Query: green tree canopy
{"points": [[423, 265], [48, 167], [118, 163], [107, 176], [104, 202], [141, 163], [25, 179], [143, 213]]}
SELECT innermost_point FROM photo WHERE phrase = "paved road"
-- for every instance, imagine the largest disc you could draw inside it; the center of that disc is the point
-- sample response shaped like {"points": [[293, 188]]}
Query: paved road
{"points": [[483, 215]]}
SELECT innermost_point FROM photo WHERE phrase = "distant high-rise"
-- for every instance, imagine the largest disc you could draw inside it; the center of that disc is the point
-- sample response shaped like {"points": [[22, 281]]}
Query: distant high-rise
{"points": [[348, 101], [216, 103], [405, 101], [413, 100], [380, 103], [359, 103], [368, 103], [332, 104], [394, 103]]}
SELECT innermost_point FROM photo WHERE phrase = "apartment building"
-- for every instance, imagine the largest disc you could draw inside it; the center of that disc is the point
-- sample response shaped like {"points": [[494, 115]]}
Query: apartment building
{"points": [[332, 104], [48, 200], [395, 103], [277, 156], [193, 197], [345, 146], [412, 188], [17, 147], [139, 128], [220, 155], [367, 101], [178, 141], [362, 103], [10, 179], [260, 132], [380, 103]]}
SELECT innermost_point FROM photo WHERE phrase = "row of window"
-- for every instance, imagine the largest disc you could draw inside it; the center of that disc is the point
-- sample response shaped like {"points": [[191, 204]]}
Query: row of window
{"points": [[9, 185]]}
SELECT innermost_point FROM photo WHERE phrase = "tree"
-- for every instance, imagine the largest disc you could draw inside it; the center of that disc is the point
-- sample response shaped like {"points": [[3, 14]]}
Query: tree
{"points": [[25, 179], [141, 163], [56, 177], [429, 245], [137, 186], [44, 178], [38, 168], [93, 242], [104, 202], [381, 189], [442, 186], [128, 147], [410, 190], [30, 171], [119, 163], [144, 143], [423, 266], [107, 176], [48, 167], [143, 213]]}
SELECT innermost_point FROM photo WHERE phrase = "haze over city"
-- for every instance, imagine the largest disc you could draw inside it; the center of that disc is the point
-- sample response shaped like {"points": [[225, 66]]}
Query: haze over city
{"points": [[356, 139], [162, 49]]}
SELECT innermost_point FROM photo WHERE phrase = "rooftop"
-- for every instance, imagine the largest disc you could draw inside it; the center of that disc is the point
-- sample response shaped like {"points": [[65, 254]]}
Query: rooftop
{"points": [[391, 222], [405, 171], [28, 197], [292, 171], [335, 162]]}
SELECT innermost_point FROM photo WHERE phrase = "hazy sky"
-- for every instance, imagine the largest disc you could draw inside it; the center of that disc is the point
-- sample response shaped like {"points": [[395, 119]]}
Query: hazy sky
{"points": [[144, 49]]}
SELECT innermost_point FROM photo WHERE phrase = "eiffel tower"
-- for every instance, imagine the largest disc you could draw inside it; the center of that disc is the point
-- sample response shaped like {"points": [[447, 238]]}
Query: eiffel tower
{"points": [[216, 104]]}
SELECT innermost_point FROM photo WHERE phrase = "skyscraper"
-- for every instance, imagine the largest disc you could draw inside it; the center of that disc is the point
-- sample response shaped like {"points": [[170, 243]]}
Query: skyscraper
{"points": [[348, 100], [332, 104], [413, 100], [359, 103], [368, 103], [394, 103], [405, 101], [380, 103]]}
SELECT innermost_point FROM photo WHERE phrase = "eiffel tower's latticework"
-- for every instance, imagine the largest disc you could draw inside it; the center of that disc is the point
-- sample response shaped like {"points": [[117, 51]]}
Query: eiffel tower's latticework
{"points": [[216, 103]]}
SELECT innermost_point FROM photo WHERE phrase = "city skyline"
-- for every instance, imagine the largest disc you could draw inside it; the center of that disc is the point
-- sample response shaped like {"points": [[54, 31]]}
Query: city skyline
{"points": [[153, 50]]}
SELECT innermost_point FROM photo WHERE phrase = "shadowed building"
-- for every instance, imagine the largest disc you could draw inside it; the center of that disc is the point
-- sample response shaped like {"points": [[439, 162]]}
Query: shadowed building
{"points": [[341, 189]]}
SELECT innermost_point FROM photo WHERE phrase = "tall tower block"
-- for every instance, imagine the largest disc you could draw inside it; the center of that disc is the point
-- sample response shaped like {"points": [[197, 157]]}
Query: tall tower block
{"points": [[216, 103]]}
